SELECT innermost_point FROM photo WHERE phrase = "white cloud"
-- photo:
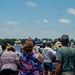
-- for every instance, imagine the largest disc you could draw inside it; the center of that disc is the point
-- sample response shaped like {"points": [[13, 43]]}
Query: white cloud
{"points": [[12, 23], [16, 29], [21, 33], [6, 29], [37, 21], [71, 11], [49, 11], [45, 21], [29, 3], [64, 21]]}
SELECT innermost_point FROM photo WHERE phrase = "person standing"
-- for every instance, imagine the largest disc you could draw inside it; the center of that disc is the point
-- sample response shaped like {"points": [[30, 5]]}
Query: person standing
{"points": [[18, 46], [48, 55], [0, 49], [29, 61], [65, 58], [9, 61]]}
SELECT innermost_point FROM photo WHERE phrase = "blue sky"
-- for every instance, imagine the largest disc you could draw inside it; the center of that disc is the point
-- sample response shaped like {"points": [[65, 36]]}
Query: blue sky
{"points": [[37, 18]]}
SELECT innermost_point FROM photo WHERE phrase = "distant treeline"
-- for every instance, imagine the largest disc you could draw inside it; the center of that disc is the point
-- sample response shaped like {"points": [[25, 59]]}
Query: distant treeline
{"points": [[12, 41]]}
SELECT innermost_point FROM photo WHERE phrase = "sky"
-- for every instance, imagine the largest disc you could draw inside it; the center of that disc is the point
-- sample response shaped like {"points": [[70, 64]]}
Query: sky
{"points": [[37, 18]]}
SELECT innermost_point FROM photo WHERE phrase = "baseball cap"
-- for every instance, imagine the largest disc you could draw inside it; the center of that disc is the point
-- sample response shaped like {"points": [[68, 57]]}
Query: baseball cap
{"points": [[65, 38]]}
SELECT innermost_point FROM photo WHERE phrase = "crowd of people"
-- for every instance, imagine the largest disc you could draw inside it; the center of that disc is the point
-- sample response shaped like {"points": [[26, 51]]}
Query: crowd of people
{"points": [[38, 58]]}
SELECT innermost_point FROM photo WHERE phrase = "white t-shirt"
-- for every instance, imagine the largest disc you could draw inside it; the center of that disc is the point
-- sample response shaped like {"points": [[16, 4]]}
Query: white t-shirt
{"points": [[18, 47], [48, 53], [0, 49]]}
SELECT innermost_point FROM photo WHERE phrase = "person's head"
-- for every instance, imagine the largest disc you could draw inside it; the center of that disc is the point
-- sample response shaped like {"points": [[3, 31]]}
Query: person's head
{"points": [[64, 39], [58, 44], [48, 44], [18, 41], [28, 46], [11, 48], [3, 47]]}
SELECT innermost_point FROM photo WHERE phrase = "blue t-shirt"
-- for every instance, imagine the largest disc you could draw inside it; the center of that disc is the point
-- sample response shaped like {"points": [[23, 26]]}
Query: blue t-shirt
{"points": [[29, 65]]}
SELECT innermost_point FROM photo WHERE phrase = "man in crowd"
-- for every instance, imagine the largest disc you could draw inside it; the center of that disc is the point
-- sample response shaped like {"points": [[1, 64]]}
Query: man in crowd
{"points": [[65, 58], [48, 55], [18, 46]]}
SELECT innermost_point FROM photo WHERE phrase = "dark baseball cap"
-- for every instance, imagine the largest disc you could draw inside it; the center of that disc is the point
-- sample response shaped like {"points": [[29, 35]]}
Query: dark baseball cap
{"points": [[65, 38]]}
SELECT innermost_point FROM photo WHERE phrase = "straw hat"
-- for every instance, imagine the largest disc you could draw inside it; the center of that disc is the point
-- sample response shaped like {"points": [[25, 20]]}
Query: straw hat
{"points": [[18, 41]]}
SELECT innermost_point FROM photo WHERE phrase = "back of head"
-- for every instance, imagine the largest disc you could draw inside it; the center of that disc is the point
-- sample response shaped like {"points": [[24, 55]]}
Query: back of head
{"points": [[11, 48], [28, 46], [49, 44], [64, 38], [3, 47]]}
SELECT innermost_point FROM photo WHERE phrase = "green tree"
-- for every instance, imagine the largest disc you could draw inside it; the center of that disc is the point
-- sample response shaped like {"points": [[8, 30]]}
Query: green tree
{"points": [[72, 40]]}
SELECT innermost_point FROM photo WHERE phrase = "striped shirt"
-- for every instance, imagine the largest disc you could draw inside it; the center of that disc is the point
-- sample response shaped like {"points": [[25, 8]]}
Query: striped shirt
{"points": [[9, 60]]}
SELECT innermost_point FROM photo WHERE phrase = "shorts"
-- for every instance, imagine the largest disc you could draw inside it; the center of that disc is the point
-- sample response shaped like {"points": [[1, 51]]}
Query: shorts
{"points": [[47, 66], [67, 73], [53, 67], [8, 71]]}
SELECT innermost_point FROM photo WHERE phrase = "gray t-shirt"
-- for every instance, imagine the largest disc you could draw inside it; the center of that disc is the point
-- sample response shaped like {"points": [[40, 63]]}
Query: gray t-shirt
{"points": [[67, 56]]}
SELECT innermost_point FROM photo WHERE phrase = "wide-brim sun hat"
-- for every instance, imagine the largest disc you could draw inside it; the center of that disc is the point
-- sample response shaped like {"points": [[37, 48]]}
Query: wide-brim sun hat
{"points": [[18, 41]]}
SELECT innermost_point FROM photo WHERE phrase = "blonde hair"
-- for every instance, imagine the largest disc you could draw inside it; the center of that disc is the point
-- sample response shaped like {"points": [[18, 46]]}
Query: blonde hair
{"points": [[11, 48], [28, 46]]}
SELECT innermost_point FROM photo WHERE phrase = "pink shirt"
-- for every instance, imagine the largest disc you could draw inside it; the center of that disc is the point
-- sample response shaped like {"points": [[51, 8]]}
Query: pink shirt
{"points": [[9, 60]]}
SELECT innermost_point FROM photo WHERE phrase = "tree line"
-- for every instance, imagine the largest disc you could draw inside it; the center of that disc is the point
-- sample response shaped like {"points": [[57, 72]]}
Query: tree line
{"points": [[12, 41]]}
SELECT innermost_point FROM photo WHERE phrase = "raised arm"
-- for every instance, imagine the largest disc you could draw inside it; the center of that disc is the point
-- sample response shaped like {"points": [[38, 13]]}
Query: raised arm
{"points": [[40, 57]]}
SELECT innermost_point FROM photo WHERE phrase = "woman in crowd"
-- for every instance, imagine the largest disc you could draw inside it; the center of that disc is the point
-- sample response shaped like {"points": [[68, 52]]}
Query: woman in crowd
{"points": [[30, 62], [9, 61]]}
